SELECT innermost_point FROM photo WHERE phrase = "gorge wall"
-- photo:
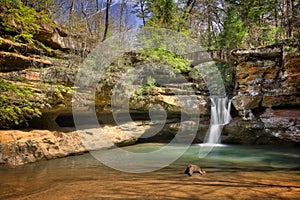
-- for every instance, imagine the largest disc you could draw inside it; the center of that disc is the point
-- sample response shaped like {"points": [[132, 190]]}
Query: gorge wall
{"points": [[265, 101], [267, 95]]}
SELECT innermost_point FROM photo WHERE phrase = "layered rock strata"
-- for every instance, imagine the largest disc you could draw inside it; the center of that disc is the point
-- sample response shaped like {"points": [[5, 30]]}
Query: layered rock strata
{"points": [[267, 97]]}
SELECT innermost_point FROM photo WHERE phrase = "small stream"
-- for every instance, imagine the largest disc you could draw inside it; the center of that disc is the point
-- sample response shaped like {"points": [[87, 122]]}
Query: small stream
{"points": [[258, 171]]}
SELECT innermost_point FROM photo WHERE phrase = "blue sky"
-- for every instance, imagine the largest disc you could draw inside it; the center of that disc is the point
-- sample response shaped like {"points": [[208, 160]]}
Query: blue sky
{"points": [[114, 11]]}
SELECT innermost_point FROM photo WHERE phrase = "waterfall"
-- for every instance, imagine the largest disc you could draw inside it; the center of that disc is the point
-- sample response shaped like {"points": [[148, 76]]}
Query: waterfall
{"points": [[220, 116]]}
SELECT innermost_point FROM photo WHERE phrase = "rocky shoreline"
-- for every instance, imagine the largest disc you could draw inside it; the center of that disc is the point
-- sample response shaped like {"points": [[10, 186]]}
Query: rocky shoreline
{"points": [[18, 147]]}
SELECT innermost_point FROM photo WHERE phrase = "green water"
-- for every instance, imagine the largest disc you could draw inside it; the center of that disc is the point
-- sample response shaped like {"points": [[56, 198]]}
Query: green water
{"points": [[235, 156], [72, 177]]}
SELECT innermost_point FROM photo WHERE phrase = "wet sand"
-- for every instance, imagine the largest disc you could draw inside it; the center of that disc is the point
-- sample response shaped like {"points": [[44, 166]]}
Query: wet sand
{"points": [[163, 184]]}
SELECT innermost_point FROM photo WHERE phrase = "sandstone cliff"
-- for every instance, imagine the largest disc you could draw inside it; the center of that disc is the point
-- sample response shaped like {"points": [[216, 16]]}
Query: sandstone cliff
{"points": [[267, 97]]}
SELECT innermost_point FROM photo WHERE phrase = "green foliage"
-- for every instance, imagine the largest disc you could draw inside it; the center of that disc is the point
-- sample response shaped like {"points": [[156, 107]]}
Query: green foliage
{"points": [[159, 55], [40, 5], [140, 9], [290, 49], [162, 13], [250, 23], [227, 75], [234, 31], [211, 72], [143, 90], [24, 21], [7, 3], [266, 35], [56, 92], [43, 46], [18, 104], [153, 60], [151, 81]]}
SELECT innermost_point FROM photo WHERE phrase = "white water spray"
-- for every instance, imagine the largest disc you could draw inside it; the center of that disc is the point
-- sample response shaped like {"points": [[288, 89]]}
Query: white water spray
{"points": [[220, 116]]}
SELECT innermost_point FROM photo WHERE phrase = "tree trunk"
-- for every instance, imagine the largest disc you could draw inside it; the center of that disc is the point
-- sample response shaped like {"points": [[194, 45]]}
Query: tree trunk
{"points": [[71, 14], [123, 5], [142, 5], [108, 3]]}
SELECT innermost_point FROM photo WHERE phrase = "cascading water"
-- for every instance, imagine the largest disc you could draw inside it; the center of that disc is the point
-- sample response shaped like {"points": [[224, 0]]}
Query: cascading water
{"points": [[220, 116]]}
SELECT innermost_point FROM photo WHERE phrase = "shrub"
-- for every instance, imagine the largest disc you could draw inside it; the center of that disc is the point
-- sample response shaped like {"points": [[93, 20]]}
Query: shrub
{"points": [[23, 22], [18, 104]]}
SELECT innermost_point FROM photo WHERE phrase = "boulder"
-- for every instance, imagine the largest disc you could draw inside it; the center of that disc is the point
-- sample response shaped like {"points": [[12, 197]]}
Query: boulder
{"points": [[250, 132], [245, 102], [19, 147]]}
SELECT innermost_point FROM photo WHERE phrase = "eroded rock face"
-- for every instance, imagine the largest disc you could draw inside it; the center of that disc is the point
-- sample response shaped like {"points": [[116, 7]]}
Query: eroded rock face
{"points": [[58, 38], [282, 123], [19, 147], [14, 61], [271, 127], [18, 56], [267, 93], [250, 132], [267, 76]]}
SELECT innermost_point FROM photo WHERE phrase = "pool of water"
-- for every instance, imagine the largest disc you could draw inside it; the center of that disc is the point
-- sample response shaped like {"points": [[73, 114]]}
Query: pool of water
{"points": [[233, 172]]}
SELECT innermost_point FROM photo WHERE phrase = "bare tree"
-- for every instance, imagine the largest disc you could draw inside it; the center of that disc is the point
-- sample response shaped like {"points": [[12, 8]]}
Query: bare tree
{"points": [[71, 13], [106, 26], [122, 9], [187, 10], [85, 15], [140, 9]]}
